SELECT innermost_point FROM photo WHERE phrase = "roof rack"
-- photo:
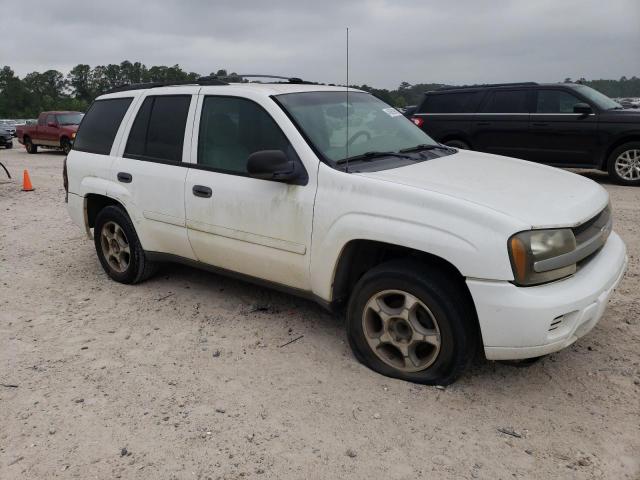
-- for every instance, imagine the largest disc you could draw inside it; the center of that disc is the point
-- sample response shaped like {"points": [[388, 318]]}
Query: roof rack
{"points": [[277, 77], [485, 85], [208, 80]]}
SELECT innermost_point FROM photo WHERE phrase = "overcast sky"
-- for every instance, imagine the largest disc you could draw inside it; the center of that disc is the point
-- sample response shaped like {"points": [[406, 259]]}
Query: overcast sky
{"points": [[455, 41]]}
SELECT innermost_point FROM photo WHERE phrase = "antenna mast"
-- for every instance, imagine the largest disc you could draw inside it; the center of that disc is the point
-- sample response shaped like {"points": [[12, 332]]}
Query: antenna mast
{"points": [[347, 141]]}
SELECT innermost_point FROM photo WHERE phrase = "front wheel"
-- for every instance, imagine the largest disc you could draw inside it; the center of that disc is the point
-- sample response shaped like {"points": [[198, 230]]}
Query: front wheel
{"points": [[65, 143], [9, 145], [118, 247], [624, 164], [412, 322]]}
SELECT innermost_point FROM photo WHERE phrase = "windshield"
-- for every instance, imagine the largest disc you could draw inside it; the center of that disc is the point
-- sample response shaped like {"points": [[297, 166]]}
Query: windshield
{"points": [[374, 126], [70, 118], [599, 99]]}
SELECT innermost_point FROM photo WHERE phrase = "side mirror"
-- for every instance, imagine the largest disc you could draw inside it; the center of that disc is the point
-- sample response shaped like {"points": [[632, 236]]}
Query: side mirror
{"points": [[52, 124], [275, 165], [582, 108]]}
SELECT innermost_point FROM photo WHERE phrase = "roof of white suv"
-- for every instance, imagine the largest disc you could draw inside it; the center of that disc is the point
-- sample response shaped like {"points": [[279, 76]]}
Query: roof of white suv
{"points": [[265, 89]]}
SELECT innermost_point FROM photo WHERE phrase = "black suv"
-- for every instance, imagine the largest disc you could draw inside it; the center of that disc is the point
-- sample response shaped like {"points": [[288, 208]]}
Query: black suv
{"points": [[561, 124]]}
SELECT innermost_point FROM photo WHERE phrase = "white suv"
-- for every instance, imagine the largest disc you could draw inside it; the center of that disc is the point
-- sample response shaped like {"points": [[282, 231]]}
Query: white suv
{"points": [[336, 196]]}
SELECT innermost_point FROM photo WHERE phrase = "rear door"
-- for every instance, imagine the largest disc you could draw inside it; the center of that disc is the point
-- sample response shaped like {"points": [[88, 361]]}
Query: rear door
{"points": [[448, 115], [501, 125], [558, 135], [150, 169], [49, 133]]}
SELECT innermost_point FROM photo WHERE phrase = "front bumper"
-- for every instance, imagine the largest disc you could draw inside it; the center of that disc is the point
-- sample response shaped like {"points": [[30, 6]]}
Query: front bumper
{"points": [[524, 322]]}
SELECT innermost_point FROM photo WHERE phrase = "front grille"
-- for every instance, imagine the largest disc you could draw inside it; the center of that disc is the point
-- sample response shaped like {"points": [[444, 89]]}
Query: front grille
{"points": [[591, 230]]}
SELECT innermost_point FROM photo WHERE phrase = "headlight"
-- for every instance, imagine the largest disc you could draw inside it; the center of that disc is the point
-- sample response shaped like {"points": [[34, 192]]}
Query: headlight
{"points": [[528, 249], [73, 135]]}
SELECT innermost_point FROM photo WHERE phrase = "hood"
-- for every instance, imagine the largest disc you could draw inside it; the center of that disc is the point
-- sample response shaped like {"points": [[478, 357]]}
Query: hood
{"points": [[627, 115], [70, 128], [538, 195]]}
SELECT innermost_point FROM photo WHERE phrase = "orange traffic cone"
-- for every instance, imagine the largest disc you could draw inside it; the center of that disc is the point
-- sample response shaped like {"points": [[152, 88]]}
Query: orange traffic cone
{"points": [[26, 182]]}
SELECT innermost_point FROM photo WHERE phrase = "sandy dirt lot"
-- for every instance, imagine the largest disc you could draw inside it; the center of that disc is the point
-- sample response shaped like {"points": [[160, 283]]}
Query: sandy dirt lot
{"points": [[184, 376]]}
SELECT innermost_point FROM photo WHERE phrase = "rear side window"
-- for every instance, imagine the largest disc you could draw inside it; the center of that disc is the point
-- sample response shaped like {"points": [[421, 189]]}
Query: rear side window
{"points": [[510, 101], [463, 102], [100, 125], [233, 128], [157, 133], [555, 101]]}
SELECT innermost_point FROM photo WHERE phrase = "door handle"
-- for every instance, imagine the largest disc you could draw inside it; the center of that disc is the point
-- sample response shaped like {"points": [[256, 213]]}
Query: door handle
{"points": [[540, 124], [201, 191], [124, 177], [483, 124]]}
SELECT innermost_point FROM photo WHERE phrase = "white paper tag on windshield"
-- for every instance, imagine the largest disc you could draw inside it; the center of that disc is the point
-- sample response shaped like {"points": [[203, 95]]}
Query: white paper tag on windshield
{"points": [[392, 112]]}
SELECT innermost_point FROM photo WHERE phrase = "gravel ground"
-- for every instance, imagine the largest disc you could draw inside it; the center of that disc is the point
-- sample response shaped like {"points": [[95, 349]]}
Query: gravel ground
{"points": [[185, 375]]}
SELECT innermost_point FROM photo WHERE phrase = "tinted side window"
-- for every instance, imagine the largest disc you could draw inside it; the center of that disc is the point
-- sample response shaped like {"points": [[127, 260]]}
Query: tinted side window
{"points": [[463, 102], [231, 129], [158, 130], [100, 125], [510, 101], [51, 119], [555, 101]]}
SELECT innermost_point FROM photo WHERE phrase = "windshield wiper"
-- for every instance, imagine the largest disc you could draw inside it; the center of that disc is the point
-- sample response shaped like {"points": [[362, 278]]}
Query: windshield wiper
{"points": [[368, 156], [425, 146]]}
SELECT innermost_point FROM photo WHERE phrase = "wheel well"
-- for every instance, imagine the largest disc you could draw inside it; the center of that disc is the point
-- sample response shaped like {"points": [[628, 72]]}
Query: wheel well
{"points": [[613, 146], [94, 203], [461, 138], [360, 256]]}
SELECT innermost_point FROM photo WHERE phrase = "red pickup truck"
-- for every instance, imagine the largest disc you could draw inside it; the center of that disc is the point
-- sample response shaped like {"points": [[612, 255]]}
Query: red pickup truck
{"points": [[53, 130]]}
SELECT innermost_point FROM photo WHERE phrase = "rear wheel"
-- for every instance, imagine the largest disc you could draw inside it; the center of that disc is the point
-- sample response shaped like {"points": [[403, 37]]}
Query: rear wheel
{"points": [[118, 247], [9, 145], [624, 164], [407, 321], [457, 144], [30, 146]]}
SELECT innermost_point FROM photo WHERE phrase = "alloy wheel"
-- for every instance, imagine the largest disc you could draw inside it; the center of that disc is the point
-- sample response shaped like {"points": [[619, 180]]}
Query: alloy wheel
{"points": [[401, 330], [115, 247], [627, 165]]}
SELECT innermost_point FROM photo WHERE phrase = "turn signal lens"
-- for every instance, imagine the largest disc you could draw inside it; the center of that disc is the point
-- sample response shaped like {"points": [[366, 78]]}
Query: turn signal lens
{"points": [[518, 257], [418, 121]]}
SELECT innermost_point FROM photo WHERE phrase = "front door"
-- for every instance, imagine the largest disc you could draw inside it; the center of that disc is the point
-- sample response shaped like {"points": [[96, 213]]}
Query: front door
{"points": [[259, 228], [560, 136]]}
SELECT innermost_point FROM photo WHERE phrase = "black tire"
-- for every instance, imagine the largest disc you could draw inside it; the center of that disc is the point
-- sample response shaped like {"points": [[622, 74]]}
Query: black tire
{"points": [[30, 146], [65, 143], [457, 144], [613, 163], [9, 145], [442, 294], [139, 268]]}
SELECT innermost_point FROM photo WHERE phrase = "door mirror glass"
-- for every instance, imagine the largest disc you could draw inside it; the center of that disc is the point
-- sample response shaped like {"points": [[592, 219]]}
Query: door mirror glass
{"points": [[271, 165], [583, 108]]}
